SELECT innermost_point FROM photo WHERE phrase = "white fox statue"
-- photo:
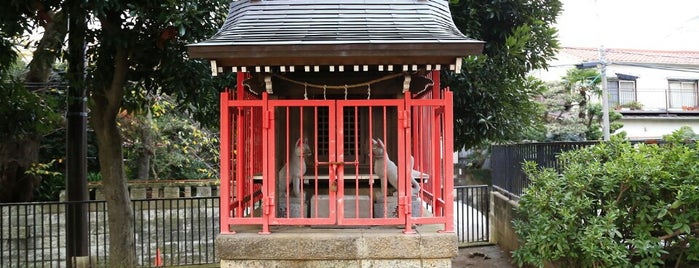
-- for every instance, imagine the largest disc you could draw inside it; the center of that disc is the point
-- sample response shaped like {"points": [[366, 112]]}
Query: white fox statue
{"points": [[295, 168], [386, 169]]}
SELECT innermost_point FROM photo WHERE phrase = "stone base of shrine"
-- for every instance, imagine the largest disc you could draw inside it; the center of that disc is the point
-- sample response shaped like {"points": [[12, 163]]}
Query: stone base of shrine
{"points": [[355, 247]]}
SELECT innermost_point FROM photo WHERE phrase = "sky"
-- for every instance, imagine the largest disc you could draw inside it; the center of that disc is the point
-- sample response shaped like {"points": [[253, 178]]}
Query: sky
{"points": [[636, 24]]}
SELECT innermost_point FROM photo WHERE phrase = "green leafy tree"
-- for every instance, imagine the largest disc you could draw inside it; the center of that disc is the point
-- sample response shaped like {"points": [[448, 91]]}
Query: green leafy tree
{"points": [[139, 46], [134, 46], [178, 147], [17, 18], [27, 103], [569, 115], [614, 205], [493, 97]]}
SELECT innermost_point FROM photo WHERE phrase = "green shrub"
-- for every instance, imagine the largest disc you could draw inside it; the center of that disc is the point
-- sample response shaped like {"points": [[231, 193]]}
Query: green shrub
{"points": [[178, 147], [613, 205]]}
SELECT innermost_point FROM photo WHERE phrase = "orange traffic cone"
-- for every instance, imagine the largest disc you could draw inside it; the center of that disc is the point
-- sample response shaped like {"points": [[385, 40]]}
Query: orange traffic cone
{"points": [[158, 259]]}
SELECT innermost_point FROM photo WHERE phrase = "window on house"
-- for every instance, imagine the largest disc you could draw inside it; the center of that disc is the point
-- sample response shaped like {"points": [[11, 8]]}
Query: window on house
{"points": [[621, 92], [682, 94]]}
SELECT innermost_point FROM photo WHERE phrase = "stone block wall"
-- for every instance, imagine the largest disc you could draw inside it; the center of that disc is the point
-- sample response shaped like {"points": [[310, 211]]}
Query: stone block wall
{"points": [[384, 247], [160, 189]]}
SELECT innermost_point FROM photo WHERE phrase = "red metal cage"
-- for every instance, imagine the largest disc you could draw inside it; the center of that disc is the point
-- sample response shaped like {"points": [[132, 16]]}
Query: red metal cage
{"points": [[266, 142]]}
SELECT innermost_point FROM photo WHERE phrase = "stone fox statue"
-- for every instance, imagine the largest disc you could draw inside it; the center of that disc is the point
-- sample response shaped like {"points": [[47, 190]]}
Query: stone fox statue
{"points": [[295, 168], [386, 169]]}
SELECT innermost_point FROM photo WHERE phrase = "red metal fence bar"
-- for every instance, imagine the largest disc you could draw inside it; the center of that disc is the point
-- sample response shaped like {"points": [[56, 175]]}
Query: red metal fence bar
{"points": [[241, 157]]}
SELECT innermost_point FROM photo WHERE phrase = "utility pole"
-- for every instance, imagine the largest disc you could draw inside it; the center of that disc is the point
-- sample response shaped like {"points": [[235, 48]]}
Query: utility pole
{"points": [[605, 94], [76, 140]]}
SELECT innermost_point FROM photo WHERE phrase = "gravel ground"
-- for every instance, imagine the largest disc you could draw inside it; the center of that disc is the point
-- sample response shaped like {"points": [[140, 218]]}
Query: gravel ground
{"points": [[483, 256]]}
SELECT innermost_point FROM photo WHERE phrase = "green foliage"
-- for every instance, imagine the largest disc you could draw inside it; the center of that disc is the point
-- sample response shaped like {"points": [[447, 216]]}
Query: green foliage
{"points": [[17, 19], [493, 97], [185, 150], [156, 34], [53, 150], [569, 115], [52, 181], [24, 113], [133, 45], [633, 105], [684, 134], [180, 148], [94, 177], [613, 205]]}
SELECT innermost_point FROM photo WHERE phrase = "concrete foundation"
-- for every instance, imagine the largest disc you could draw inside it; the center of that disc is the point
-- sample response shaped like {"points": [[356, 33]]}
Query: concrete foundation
{"points": [[311, 247]]}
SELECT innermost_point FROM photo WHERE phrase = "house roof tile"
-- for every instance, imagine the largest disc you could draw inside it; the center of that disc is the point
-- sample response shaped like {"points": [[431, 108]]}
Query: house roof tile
{"points": [[630, 56]]}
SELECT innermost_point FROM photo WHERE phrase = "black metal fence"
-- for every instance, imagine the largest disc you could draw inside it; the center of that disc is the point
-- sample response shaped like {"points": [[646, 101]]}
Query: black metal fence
{"points": [[471, 214], [177, 231], [507, 161]]}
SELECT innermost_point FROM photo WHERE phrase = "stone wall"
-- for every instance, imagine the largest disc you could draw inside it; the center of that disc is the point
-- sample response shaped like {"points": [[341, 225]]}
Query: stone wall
{"points": [[378, 247], [183, 230], [160, 189]]}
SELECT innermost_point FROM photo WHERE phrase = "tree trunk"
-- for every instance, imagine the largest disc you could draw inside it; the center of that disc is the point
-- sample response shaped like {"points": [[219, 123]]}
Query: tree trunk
{"points": [[145, 153], [582, 105], [47, 50], [143, 164], [16, 157], [107, 103]]}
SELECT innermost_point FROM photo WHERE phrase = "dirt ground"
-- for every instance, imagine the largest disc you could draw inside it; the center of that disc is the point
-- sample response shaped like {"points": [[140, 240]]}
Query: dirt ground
{"points": [[482, 256]]}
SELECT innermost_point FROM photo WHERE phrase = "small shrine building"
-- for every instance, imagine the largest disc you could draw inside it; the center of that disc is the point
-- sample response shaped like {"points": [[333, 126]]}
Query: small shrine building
{"points": [[336, 143]]}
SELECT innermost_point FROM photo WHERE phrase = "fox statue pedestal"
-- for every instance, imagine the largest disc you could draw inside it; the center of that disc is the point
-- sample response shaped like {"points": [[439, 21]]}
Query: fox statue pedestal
{"points": [[295, 208], [389, 206]]}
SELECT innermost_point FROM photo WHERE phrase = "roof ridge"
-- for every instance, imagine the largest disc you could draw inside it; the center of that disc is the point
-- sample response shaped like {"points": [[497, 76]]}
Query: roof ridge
{"points": [[633, 49], [616, 55]]}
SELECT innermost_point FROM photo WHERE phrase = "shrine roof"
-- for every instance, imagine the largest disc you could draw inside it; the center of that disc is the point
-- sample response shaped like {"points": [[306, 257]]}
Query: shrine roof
{"points": [[277, 32]]}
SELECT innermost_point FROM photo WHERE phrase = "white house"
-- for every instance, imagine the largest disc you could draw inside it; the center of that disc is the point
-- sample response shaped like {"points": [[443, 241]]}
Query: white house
{"points": [[663, 82]]}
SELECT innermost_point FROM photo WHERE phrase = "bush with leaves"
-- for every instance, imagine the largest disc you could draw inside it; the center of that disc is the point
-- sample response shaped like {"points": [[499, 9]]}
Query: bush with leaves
{"points": [[614, 205], [178, 147]]}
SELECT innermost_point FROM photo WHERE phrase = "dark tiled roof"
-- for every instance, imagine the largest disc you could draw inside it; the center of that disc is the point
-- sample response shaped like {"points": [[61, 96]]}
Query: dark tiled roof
{"points": [[337, 22], [333, 23], [619, 56]]}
